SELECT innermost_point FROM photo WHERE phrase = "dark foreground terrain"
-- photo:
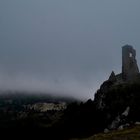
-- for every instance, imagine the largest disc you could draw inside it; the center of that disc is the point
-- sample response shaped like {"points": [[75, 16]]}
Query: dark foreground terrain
{"points": [[114, 108], [132, 133]]}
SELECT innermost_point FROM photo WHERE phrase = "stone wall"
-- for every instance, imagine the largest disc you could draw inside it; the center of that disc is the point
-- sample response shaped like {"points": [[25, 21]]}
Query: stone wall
{"points": [[129, 64]]}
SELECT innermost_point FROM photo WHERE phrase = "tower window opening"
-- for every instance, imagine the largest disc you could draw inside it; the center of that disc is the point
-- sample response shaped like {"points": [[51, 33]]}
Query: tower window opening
{"points": [[130, 55]]}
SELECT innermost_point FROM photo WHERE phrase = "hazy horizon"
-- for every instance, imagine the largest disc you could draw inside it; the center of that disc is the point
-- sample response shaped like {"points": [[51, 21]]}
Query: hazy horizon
{"points": [[64, 47]]}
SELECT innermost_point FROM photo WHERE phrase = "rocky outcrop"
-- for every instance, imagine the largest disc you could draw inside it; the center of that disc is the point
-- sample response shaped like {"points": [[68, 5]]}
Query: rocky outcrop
{"points": [[112, 77], [120, 121]]}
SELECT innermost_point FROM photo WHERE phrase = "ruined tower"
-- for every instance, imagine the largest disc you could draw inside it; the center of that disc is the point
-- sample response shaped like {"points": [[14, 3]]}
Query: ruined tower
{"points": [[129, 63]]}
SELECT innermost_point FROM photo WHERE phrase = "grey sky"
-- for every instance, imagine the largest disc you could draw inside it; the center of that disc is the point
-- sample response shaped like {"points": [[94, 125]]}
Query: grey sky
{"points": [[65, 46]]}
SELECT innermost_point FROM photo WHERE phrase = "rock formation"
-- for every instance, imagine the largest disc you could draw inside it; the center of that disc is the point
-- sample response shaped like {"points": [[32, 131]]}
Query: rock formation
{"points": [[112, 77]]}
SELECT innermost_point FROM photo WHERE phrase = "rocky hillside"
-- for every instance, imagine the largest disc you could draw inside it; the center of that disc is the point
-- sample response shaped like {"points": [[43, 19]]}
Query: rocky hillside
{"points": [[119, 102], [115, 107]]}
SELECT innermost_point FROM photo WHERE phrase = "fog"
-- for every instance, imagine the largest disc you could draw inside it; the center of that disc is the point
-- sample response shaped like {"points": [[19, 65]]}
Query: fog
{"points": [[65, 47]]}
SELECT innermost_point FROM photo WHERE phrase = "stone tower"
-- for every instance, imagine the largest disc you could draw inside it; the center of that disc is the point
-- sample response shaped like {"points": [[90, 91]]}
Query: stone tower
{"points": [[129, 63]]}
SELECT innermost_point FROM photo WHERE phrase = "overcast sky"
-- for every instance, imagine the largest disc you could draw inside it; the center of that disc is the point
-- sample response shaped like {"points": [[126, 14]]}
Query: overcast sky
{"points": [[65, 46]]}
